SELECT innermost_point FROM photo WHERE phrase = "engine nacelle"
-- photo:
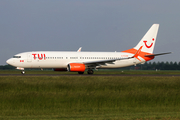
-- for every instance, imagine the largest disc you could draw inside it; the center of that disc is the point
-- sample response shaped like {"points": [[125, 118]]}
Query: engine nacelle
{"points": [[60, 69], [76, 67]]}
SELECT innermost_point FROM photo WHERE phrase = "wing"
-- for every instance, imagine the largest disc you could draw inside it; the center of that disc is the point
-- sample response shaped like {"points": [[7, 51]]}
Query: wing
{"points": [[103, 62]]}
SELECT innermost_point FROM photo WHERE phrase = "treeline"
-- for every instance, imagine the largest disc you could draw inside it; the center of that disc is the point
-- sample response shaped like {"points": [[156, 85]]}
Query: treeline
{"points": [[145, 66], [157, 66], [6, 67]]}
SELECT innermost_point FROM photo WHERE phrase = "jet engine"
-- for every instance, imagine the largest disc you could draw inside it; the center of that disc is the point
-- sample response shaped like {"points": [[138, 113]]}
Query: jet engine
{"points": [[76, 67]]}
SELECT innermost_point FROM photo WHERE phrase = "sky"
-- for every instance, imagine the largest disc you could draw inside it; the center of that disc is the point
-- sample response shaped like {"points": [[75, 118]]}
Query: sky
{"points": [[94, 25]]}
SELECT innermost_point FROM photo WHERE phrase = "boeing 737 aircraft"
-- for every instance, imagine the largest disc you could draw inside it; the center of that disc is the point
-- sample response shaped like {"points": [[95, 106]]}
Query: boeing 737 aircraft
{"points": [[79, 61]]}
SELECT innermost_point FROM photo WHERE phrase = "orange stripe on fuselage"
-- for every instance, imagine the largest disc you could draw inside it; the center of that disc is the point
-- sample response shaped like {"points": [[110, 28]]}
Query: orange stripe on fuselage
{"points": [[142, 54]]}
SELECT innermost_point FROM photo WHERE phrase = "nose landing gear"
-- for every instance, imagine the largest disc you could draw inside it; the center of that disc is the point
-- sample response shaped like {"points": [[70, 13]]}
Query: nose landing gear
{"points": [[23, 72]]}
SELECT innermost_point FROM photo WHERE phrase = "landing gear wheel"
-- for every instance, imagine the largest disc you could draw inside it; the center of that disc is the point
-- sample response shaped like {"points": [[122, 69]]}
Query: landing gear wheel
{"points": [[80, 72], [90, 71], [23, 72]]}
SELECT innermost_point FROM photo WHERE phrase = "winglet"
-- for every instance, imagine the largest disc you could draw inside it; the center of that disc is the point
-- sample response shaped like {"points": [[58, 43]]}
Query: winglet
{"points": [[137, 53], [79, 50]]}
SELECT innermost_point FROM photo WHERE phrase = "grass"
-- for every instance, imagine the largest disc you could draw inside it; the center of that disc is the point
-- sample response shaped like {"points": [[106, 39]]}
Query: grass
{"points": [[89, 97], [101, 71]]}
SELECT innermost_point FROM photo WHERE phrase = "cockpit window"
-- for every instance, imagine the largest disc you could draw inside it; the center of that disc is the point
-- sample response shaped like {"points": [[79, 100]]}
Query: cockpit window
{"points": [[16, 56]]}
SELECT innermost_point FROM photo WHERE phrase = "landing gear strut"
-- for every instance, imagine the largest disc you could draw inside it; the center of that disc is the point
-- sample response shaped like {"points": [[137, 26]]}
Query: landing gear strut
{"points": [[90, 71], [23, 72]]}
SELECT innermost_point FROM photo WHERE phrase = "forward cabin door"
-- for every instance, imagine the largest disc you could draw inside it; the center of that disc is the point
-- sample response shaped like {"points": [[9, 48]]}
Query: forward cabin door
{"points": [[29, 57]]}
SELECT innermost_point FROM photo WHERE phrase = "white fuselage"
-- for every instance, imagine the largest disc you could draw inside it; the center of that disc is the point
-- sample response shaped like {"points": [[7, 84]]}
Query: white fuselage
{"points": [[56, 59]]}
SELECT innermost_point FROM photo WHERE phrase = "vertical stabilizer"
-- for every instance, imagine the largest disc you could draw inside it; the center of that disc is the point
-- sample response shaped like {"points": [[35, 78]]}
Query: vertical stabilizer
{"points": [[149, 39]]}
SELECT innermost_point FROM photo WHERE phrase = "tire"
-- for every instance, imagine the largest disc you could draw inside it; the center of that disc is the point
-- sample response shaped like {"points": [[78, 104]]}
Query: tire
{"points": [[90, 72], [23, 72], [80, 72]]}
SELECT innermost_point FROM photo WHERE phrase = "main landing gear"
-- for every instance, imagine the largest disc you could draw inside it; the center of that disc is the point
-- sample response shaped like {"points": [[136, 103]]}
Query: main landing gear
{"points": [[90, 71], [80, 72], [23, 72]]}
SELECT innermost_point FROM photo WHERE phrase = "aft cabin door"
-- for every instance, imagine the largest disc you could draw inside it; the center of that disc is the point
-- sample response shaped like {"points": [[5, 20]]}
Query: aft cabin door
{"points": [[29, 57]]}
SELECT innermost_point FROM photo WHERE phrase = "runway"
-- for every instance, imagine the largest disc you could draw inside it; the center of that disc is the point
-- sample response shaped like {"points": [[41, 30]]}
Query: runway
{"points": [[94, 75]]}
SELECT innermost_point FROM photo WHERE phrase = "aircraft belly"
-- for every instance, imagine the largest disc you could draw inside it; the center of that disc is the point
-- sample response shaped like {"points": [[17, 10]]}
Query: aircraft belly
{"points": [[46, 64]]}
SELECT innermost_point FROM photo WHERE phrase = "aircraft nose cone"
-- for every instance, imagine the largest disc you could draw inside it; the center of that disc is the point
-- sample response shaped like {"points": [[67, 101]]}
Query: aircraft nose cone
{"points": [[9, 61]]}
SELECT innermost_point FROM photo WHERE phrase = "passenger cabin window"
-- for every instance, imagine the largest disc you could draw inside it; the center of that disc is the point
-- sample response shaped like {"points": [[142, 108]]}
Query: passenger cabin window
{"points": [[16, 56]]}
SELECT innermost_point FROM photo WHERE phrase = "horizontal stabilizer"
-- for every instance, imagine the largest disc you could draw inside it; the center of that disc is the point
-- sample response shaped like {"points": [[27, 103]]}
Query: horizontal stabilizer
{"points": [[157, 54]]}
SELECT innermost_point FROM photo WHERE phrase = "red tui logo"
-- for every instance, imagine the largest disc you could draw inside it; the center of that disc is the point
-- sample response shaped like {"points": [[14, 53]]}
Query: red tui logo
{"points": [[148, 46]]}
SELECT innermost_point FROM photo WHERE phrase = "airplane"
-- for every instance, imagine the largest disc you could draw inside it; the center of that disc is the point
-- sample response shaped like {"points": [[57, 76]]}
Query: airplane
{"points": [[78, 61]]}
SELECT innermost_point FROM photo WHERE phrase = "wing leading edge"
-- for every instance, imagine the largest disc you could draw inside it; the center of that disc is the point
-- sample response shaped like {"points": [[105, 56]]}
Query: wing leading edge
{"points": [[103, 62]]}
